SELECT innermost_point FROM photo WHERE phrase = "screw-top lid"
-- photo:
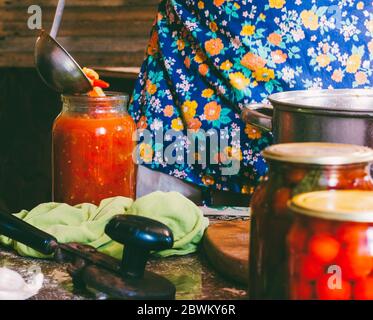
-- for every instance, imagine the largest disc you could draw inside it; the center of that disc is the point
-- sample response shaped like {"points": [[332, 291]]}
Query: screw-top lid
{"points": [[319, 153], [341, 205]]}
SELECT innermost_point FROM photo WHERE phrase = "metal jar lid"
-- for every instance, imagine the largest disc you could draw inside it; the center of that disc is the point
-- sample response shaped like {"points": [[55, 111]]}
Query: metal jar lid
{"points": [[341, 205], [319, 153]]}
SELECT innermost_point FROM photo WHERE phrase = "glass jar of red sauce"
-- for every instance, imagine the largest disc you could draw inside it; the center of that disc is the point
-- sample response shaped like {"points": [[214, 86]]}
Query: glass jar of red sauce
{"points": [[92, 149], [330, 246], [295, 168]]}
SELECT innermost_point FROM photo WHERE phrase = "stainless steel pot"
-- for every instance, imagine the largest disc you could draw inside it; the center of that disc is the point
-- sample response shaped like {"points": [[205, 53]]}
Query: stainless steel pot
{"points": [[342, 116]]}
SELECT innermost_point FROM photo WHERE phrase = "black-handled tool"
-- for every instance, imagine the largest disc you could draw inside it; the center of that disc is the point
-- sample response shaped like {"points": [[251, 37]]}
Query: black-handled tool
{"points": [[99, 272], [139, 235], [17, 229]]}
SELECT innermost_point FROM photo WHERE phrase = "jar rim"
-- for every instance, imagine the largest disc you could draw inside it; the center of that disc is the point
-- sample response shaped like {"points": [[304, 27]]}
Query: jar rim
{"points": [[339, 205], [111, 96], [318, 153]]}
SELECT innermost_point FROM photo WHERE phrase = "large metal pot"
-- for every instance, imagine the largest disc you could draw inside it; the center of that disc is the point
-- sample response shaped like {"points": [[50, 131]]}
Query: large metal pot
{"points": [[342, 116]]}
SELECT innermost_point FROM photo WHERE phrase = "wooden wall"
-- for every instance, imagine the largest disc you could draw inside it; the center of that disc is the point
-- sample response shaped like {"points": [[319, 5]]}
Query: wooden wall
{"points": [[96, 32]]}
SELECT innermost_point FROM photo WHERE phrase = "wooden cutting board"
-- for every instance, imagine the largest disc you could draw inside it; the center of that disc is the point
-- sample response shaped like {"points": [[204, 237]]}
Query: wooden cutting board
{"points": [[226, 245]]}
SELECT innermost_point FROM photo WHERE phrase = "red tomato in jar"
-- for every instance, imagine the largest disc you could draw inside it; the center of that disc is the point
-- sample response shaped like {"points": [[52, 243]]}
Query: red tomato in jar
{"points": [[323, 247], [355, 173], [297, 238], [339, 179], [352, 233], [321, 226], [296, 175], [355, 262], [363, 289], [310, 268], [325, 289], [280, 200]]}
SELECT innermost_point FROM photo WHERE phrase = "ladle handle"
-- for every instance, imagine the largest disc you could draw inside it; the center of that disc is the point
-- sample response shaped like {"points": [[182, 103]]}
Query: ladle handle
{"points": [[57, 18]]}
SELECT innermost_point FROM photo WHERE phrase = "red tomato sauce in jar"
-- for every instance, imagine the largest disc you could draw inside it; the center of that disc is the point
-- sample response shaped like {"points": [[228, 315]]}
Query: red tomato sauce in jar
{"points": [[294, 169], [330, 246], [92, 150]]}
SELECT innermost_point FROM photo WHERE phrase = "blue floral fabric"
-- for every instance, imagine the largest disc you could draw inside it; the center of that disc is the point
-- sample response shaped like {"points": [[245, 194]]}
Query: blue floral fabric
{"points": [[207, 59]]}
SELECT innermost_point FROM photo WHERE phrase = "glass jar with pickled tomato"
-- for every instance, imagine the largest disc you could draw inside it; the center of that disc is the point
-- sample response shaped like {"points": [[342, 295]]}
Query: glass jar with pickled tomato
{"points": [[293, 169], [330, 246], [92, 149]]}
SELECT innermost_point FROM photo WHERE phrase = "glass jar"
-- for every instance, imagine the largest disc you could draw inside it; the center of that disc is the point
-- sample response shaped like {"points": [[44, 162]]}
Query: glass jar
{"points": [[92, 149], [330, 246], [294, 169]]}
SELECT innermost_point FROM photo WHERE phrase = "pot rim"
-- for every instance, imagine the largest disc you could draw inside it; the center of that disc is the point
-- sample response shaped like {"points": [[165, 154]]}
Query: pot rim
{"points": [[296, 101]]}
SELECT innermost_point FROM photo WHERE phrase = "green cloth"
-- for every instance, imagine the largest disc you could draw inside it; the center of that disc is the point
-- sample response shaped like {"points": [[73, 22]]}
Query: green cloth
{"points": [[85, 223]]}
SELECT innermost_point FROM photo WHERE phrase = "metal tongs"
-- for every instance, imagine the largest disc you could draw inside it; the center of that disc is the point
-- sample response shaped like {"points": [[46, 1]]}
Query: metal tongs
{"points": [[100, 273]]}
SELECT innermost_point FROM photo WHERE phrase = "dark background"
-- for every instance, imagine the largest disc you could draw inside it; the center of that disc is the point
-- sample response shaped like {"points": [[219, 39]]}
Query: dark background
{"points": [[97, 33]]}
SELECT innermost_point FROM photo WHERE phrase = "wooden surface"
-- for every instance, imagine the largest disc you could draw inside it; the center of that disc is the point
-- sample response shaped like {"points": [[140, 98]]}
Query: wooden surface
{"points": [[96, 32], [226, 245]]}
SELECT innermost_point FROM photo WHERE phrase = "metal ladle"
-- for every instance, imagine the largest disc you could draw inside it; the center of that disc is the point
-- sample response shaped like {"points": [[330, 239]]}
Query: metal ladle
{"points": [[55, 65]]}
